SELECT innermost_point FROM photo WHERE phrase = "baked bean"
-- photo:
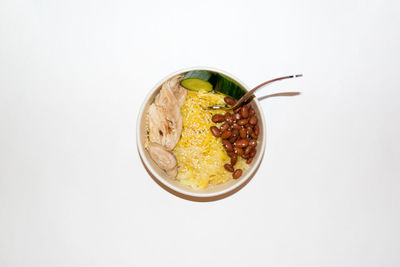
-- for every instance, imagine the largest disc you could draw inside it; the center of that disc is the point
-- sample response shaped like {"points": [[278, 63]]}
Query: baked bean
{"points": [[238, 151], [244, 112], [233, 139], [236, 110], [228, 146], [254, 136], [242, 122], [251, 112], [256, 129], [253, 142], [248, 150], [243, 133], [233, 160], [226, 134], [253, 153], [245, 156], [237, 173], [224, 127], [215, 131], [236, 116], [253, 120], [242, 143], [230, 101], [249, 160], [228, 167], [218, 118]]}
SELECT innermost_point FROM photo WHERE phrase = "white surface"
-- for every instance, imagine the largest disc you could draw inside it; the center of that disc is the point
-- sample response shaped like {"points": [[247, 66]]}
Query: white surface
{"points": [[74, 193]]}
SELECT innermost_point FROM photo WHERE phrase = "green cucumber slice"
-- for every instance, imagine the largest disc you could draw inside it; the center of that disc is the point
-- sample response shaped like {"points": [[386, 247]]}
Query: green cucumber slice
{"points": [[197, 80], [228, 87]]}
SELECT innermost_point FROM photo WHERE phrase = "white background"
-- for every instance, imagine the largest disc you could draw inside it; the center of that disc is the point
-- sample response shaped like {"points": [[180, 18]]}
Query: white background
{"points": [[73, 191]]}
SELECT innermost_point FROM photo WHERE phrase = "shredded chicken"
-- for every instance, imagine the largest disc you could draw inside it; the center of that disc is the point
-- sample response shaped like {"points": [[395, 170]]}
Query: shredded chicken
{"points": [[165, 124], [176, 88], [157, 124], [164, 158], [167, 101]]}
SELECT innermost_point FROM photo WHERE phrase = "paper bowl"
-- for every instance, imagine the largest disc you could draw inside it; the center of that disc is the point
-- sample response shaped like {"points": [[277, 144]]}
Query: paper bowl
{"points": [[174, 186]]}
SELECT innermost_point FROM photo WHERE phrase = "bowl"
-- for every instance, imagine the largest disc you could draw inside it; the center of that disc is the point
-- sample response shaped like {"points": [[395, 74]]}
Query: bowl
{"points": [[174, 186]]}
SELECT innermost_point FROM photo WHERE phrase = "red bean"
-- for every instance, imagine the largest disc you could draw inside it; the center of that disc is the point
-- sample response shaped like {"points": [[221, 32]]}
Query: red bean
{"points": [[233, 160], [235, 132], [253, 120], [253, 153], [236, 110], [248, 150], [228, 146], [236, 126], [228, 167], [237, 173], [253, 142], [226, 134], [256, 129], [244, 112], [243, 133], [215, 131], [236, 116], [230, 101], [242, 143], [218, 118], [249, 160], [224, 127], [230, 120], [238, 151], [251, 112], [254, 136], [245, 156], [242, 122], [249, 130], [233, 139]]}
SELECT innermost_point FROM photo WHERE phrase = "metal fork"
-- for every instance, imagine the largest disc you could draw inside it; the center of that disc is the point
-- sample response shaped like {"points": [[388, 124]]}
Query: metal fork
{"points": [[251, 92]]}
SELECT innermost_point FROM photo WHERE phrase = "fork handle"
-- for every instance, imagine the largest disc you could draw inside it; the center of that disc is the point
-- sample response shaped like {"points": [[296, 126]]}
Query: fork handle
{"points": [[251, 92]]}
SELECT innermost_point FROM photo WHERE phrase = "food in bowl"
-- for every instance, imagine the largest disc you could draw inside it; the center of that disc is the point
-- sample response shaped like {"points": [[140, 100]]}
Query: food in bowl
{"points": [[196, 145]]}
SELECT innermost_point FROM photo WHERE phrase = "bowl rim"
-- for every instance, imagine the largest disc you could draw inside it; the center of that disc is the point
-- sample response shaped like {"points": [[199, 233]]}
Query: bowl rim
{"points": [[148, 166]]}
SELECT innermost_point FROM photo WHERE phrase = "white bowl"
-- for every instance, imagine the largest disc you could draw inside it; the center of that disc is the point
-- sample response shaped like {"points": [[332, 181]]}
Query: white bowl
{"points": [[173, 186]]}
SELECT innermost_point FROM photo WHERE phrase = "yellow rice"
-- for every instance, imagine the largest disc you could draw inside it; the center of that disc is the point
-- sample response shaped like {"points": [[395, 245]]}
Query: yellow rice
{"points": [[200, 155]]}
